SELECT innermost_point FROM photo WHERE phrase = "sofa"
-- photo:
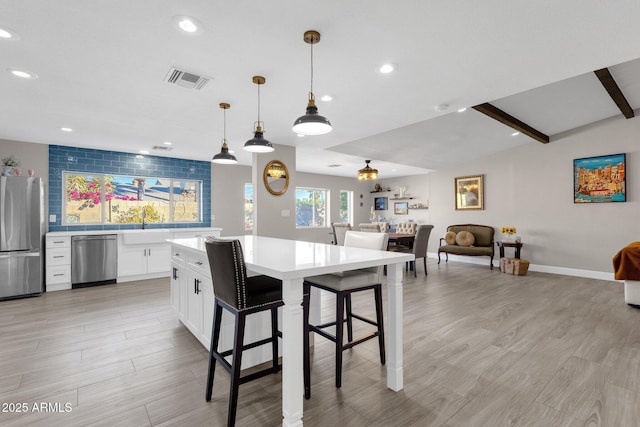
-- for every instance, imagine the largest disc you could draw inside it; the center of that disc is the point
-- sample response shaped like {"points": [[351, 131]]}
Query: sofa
{"points": [[482, 241]]}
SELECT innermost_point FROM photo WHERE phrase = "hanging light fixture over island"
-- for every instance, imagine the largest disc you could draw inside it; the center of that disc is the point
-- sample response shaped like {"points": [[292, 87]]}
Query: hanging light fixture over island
{"points": [[258, 144], [224, 157], [311, 123]]}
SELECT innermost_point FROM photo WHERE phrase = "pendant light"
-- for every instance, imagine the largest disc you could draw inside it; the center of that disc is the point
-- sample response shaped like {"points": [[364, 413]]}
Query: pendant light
{"points": [[311, 123], [258, 144], [367, 173], [224, 157]]}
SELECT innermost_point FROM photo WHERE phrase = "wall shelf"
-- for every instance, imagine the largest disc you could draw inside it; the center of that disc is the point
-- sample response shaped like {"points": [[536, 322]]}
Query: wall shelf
{"points": [[381, 191], [402, 198]]}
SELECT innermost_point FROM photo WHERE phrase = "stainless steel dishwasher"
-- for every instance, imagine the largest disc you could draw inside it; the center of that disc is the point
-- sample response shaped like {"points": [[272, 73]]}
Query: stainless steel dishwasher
{"points": [[93, 260]]}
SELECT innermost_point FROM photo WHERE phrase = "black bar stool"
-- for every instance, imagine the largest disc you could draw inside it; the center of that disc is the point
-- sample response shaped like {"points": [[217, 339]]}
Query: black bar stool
{"points": [[343, 285], [242, 296]]}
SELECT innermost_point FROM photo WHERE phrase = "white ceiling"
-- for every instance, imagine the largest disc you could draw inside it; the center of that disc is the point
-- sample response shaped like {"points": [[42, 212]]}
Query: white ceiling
{"points": [[102, 66]]}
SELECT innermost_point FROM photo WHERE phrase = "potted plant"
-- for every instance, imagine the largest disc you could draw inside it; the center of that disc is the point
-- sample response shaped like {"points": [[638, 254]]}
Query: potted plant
{"points": [[8, 163]]}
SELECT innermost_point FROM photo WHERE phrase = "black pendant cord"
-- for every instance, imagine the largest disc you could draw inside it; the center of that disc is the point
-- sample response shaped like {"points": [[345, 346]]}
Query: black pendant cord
{"points": [[258, 104], [224, 126], [311, 69]]}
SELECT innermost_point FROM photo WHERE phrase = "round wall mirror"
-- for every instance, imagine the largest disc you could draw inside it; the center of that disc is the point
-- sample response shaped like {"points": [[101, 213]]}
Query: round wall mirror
{"points": [[276, 177]]}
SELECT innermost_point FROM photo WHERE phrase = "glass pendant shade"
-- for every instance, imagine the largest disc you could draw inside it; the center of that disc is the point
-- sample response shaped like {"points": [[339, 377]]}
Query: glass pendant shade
{"points": [[367, 173], [258, 144], [311, 123], [224, 157]]}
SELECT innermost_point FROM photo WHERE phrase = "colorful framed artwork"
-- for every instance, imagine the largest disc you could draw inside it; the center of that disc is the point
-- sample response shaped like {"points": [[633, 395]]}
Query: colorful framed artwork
{"points": [[401, 208], [469, 192], [600, 179]]}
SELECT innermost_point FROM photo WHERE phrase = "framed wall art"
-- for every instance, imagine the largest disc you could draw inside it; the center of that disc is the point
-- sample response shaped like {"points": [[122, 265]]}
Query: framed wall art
{"points": [[600, 179], [469, 192], [401, 208]]}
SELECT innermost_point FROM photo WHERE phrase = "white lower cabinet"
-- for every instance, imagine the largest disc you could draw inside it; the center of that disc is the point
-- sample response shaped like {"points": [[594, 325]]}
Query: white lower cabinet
{"points": [[143, 261], [195, 305], [58, 263]]}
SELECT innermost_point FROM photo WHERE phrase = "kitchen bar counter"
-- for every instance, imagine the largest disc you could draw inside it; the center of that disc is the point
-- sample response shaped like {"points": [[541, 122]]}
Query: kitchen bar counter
{"points": [[290, 261]]}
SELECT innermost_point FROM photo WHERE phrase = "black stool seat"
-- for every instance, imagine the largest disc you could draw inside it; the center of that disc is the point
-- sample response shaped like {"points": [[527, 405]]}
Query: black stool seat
{"points": [[242, 296]]}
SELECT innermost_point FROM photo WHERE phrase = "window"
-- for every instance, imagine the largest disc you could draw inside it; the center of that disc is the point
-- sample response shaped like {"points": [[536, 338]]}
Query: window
{"points": [[248, 207], [346, 203], [311, 207], [113, 199]]}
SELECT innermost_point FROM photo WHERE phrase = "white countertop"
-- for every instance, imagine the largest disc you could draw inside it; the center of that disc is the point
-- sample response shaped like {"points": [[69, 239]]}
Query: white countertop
{"points": [[283, 259], [194, 230]]}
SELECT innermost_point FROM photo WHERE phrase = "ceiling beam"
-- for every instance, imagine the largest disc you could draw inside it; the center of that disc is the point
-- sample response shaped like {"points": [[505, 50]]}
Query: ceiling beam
{"points": [[507, 119], [614, 92]]}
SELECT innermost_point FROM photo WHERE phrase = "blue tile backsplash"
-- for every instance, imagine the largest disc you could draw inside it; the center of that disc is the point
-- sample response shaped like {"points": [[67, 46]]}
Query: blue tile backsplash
{"points": [[72, 159]]}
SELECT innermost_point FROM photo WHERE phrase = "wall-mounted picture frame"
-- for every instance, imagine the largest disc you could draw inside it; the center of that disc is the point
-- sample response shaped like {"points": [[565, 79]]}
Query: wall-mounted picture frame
{"points": [[380, 203], [469, 192], [401, 208], [600, 179]]}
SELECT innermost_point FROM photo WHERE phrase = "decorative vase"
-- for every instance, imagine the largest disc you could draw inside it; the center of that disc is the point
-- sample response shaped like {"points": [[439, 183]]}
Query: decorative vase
{"points": [[18, 171], [6, 170], [31, 172]]}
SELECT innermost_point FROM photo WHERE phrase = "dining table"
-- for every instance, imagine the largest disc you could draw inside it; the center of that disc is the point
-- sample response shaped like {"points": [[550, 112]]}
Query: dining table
{"points": [[291, 261], [401, 239]]}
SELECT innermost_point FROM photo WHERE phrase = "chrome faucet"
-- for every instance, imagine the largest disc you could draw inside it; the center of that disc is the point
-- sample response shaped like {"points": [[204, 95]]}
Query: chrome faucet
{"points": [[144, 215]]}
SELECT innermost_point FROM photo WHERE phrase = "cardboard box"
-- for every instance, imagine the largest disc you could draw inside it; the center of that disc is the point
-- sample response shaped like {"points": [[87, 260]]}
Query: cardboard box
{"points": [[515, 266]]}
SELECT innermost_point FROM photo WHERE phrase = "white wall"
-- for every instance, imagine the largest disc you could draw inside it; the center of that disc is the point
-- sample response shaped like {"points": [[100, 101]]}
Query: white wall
{"points": [[31, 156], [268, 210], [227, 198], [531, 188]]}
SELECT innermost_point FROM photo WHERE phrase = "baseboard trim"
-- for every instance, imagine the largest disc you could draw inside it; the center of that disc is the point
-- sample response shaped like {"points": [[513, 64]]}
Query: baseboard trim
{"points": [[482, 260]]}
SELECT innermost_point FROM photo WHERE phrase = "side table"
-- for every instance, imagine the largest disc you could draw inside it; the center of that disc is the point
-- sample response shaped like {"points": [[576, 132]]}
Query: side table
{"points": [[516, 245]]}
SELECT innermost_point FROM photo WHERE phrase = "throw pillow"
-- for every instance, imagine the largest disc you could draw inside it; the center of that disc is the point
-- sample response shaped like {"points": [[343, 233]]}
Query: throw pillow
{"points": [[450, 237], [465, 238]]}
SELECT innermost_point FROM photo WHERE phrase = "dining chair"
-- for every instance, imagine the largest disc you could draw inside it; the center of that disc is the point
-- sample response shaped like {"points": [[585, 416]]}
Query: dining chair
{"points": [[339, 231], [242, 296], [406, 228], [369, 227], [419, 248], [343, 285]]}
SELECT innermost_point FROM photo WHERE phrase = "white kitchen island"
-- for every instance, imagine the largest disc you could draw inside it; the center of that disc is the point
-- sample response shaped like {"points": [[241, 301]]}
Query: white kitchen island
{"points": [[291, 261]]}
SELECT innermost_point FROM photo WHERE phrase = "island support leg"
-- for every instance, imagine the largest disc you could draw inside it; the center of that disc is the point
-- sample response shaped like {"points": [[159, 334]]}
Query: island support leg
{"points": [[395, 370], [292, 353]]}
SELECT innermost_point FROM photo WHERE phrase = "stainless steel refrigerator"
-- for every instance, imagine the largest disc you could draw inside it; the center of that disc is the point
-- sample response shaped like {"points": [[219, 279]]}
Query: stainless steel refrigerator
{"points": [[22, 227]]}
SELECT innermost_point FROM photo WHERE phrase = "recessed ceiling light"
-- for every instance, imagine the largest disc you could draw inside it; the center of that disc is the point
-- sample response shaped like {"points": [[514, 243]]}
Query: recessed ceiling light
{"points": [[462, 110], [187, 24], [8, 34], [167, 143], [326, 98], [442, 107], [394, 170], [65, 129], [144, 152], [387, 68], [515, 134], [22, 73], [300, 135], [334, 165]]}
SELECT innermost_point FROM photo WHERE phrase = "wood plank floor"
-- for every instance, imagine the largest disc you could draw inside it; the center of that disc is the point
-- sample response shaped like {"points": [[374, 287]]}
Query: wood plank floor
{"points": [[481, 349]]}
